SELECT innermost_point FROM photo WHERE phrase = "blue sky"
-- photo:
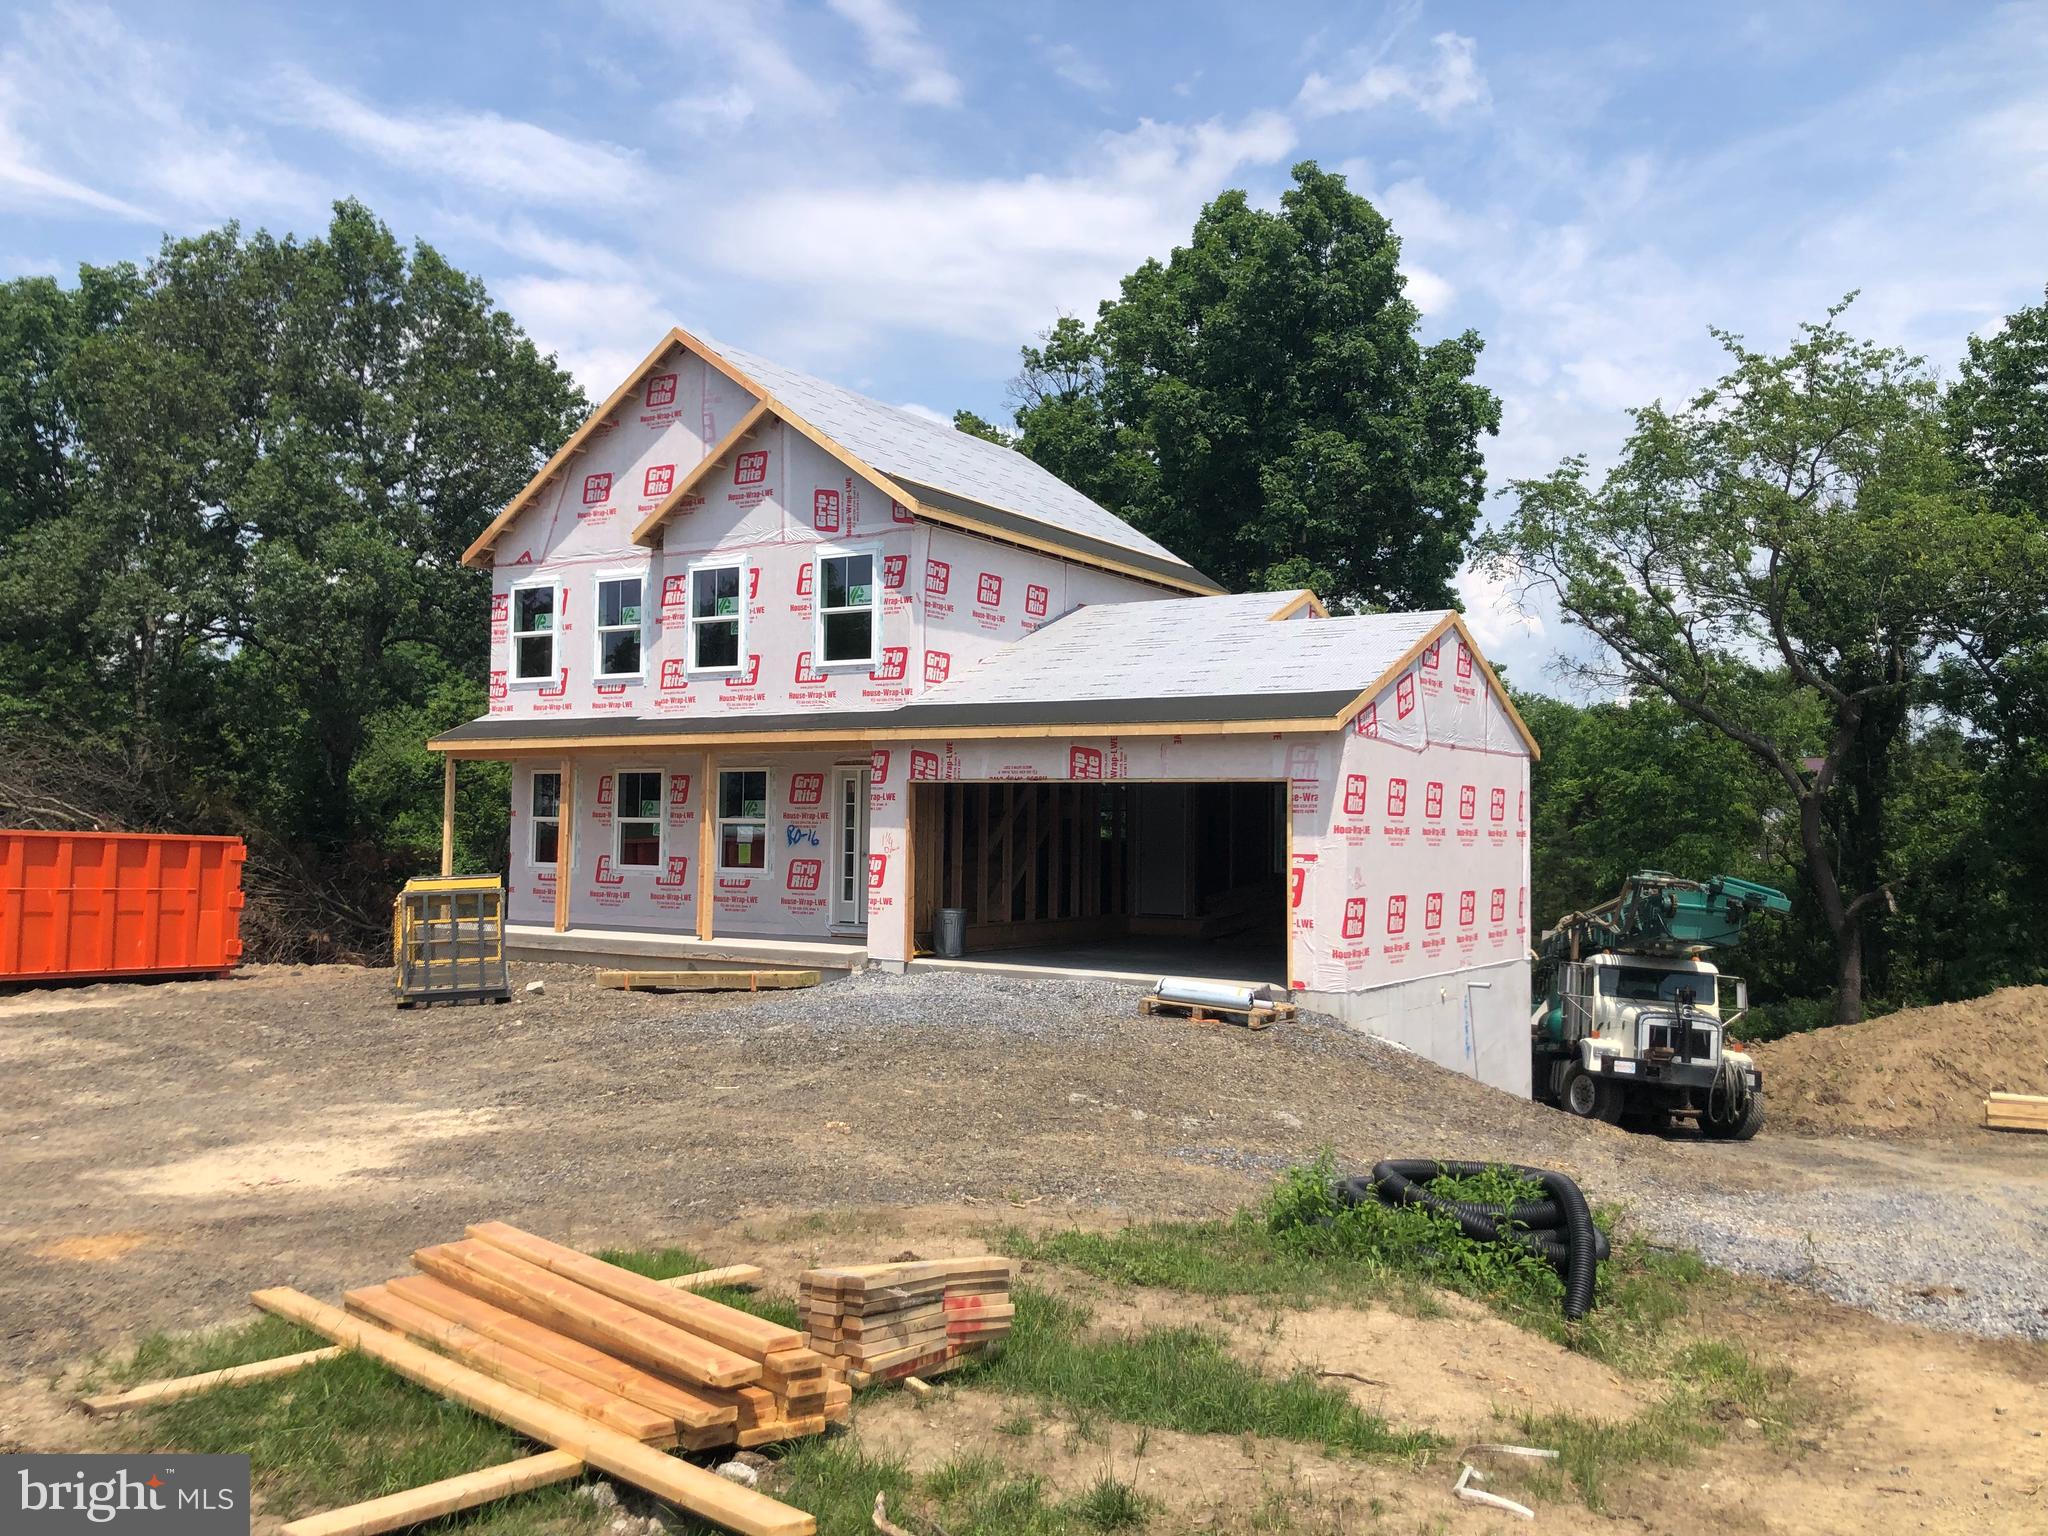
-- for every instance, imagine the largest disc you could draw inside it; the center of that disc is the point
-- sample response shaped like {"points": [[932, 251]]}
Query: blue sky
{"points": [[899, 195]]}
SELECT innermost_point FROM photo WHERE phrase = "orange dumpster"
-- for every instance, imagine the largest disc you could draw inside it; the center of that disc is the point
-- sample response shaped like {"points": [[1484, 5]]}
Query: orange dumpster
{"points": [[113, 904]]}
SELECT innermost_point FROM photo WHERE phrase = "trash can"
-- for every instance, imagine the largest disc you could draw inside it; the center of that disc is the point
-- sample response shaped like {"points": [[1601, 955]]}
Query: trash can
{"points": [[949, 936]]}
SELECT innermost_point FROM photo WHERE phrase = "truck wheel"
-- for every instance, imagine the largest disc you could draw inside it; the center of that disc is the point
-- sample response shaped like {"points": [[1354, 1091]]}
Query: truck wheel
{"points": [[1590, 1097], [1742, 1129]]}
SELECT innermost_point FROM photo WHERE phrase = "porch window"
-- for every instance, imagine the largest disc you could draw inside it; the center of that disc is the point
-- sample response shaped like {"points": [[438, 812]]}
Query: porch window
{"points": [[742, 820], [547, 817], [847, 604], [718, 616], [533, 633], [639, 817], [618, 626]]}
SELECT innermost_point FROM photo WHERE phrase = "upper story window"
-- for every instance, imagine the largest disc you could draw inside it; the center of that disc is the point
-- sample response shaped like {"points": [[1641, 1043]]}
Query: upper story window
{"points": [[533, 632], [618, 626], [849, 608], [718, 616]]}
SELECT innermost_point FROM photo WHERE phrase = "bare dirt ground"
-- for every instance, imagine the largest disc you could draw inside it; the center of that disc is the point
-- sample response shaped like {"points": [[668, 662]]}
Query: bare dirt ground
{"points": [[1919, 1072], [167, 1148]]}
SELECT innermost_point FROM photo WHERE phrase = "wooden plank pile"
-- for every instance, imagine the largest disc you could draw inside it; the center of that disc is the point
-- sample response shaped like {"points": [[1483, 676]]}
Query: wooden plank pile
{"points": [[607, 1367], [2016, 1112], [893, 1322], [705, 981]]}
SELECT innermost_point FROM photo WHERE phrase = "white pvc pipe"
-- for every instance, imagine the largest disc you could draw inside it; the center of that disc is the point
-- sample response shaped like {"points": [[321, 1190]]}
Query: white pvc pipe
{"points": [[1214, 994]]}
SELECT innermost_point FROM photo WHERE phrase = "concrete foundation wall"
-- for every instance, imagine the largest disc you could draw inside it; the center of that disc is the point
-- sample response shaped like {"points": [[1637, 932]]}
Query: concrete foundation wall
{"points": [[1428, 1015]]}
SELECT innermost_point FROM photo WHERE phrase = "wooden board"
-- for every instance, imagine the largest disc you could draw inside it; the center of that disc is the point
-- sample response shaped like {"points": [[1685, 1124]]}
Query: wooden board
{"points": [[689, 1487], [2016, 1112], [395, 1511], [737, 1275], [511, 1366], [691, 1410], [546, 1298], [742, 1333], [706, 981], [151, 1393]]}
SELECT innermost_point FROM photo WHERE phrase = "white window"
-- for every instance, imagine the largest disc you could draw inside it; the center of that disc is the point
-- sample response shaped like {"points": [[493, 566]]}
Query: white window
{"points": [[742, 820], [639, 817], [718, 616], [547, 817], [849, 609], [619, 616], [533, 632]]}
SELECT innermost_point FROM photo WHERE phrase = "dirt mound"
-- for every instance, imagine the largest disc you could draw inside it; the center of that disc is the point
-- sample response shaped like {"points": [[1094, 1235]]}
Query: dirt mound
{"points": [[1918, 1072]]}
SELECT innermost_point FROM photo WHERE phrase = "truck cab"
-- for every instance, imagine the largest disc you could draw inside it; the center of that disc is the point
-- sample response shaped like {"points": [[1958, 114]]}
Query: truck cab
{"points": [[1619, 1031]]}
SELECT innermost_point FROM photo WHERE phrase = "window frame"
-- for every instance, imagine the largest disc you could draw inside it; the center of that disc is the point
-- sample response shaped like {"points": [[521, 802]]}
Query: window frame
{"points": [[533, 858], [619, 819], [719, 821], [602, 629], [691, 620], [554, 630], [819, 556]]}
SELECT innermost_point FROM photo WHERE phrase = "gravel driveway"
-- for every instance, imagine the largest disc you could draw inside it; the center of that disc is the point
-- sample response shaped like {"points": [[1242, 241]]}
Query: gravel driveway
{"points": [[172, 1146]]}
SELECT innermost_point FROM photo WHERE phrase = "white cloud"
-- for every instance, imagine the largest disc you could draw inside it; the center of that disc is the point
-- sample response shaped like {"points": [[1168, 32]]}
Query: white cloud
{"points": [[1493, 608], [732, 53], [94, 116], [598, 329], [994, 256], [518, 160], [896, 45], [1449, 83], [926, 412], [1077, 69]]}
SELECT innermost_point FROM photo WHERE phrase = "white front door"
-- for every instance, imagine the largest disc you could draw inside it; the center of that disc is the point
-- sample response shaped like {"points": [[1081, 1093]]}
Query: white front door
{"points": [[849, 848]]}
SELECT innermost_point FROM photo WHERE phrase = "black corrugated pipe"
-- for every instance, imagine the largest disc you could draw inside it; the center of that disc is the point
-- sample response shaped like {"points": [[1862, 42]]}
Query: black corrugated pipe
{"points": [[1535, 1225]]}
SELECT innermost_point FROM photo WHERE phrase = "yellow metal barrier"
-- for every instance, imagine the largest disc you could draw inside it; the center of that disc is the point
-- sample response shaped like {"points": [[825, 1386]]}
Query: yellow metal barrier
{"points": [[448, 940]]}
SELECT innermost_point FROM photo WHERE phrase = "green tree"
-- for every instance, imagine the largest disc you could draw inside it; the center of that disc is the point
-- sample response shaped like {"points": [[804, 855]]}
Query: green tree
{"points": [[1260, 403], [234, 491], [979, 426], [1787, 559]]}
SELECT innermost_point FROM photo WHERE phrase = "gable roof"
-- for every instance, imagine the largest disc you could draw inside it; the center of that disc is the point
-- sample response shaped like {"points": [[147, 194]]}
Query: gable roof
{"points": [[942, 475]]}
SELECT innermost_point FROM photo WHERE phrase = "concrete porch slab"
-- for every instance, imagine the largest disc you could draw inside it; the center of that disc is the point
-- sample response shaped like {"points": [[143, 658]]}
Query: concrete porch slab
{"points": [[602, 947]]}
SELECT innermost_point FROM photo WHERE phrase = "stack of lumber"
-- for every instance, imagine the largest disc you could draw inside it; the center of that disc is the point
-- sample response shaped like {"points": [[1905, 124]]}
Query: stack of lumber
{"points": [[608, 1367], [2016, 1112], [889, 1322]]}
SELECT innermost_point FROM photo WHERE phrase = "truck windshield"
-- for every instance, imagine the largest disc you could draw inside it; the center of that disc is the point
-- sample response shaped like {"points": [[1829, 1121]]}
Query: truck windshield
{"points": [[1639, 984]]}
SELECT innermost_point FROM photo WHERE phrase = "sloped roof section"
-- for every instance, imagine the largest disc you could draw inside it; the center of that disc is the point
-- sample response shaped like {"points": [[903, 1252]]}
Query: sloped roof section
{"points": [[1193, 648], [915, 449]]}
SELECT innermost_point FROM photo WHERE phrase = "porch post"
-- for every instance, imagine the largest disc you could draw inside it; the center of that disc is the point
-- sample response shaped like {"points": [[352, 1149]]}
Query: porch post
{"points": [[448, 814], [565, 846], [707, 846]]}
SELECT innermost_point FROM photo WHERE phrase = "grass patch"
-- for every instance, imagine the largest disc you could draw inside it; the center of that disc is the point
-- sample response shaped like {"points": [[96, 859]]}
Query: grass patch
{"points": [[337, 1432], [1174, 1378], [1713, 1386], [1303, 1248]]}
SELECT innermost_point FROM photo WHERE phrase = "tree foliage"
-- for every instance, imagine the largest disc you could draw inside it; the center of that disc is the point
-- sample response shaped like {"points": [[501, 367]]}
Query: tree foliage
{"points": [[1790, 560], [234, 488], [1259, 402]]}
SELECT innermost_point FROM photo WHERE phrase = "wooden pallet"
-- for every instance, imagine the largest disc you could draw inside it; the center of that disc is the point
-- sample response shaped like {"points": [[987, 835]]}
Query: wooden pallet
{"points": [[705, 981], [1258, 1016], [2016, 1112]]}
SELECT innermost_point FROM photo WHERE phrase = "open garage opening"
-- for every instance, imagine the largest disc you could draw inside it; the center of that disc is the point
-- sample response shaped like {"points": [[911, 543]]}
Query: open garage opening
{"points": [[1115, 878]]}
